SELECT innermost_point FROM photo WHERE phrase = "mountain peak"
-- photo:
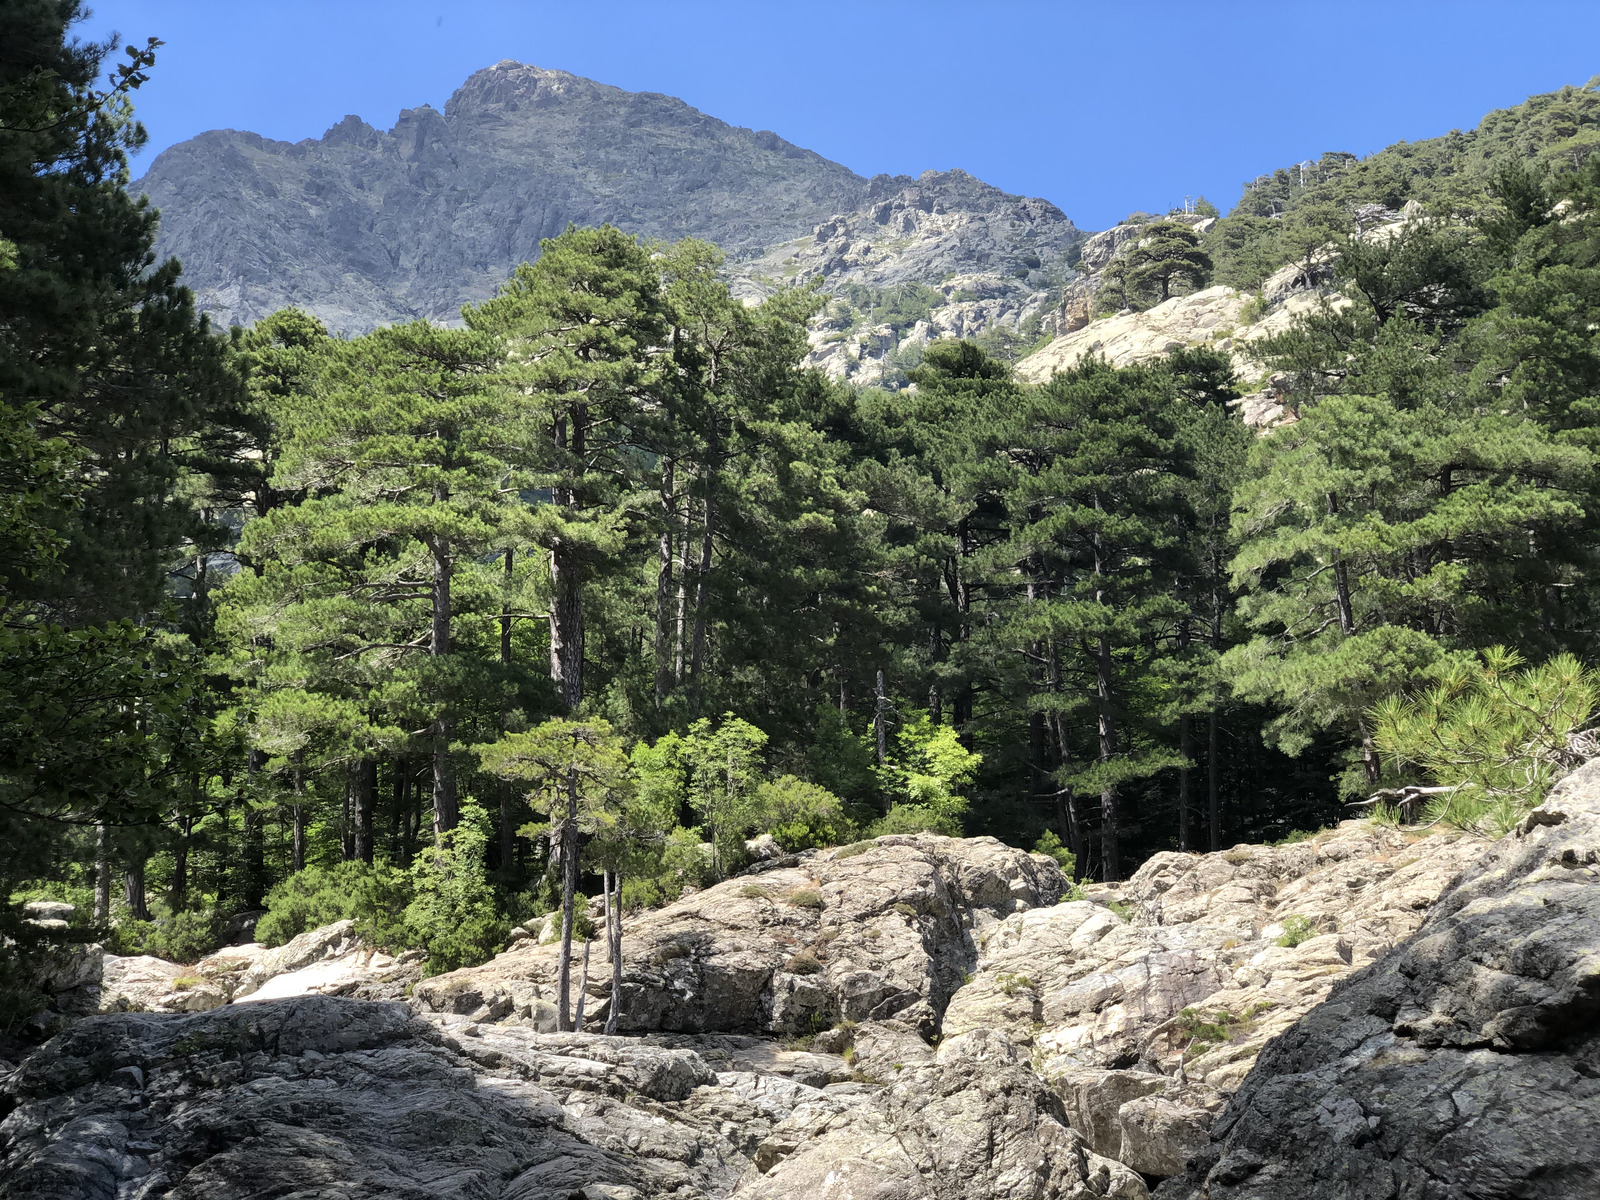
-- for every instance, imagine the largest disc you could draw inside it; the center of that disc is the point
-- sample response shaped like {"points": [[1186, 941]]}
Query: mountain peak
{"points": [[365, 227]]}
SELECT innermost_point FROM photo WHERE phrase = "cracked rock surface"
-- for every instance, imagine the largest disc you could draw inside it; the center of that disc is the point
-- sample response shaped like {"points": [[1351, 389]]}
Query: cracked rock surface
{"points": [[882, 929], [1146, 1017], [322, 1096], [1466, 1063]]}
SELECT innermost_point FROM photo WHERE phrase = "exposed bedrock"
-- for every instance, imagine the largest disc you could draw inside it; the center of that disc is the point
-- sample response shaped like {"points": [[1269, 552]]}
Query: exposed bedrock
{"points": [[883, 929], [1464, 1064]]}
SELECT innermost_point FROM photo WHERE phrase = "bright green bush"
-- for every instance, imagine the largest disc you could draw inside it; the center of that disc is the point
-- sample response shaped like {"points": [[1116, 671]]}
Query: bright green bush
{"points": [[452, 913], [924, 779], [374, 896], [1050, 844], [916, 818], [1296, 929], [800, 815], [183, 937]]}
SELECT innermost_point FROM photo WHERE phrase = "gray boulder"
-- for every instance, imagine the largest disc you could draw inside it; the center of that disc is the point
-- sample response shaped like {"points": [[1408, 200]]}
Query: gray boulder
{"points": [[885, 929], [972, 1122], [1464, 1063], [326, 1096]]}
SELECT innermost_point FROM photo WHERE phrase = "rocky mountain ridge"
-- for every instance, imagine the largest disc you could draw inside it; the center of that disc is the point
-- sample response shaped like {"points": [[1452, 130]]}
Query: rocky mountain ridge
{"points": [[366, 227]]}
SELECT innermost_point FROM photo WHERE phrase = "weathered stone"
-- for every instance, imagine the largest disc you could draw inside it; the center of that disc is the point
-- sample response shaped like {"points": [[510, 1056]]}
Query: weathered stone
{"points": [[971, 1123], [135, 983], [49, 910], [886, 932], [1465, 1062], [1152, 1123], [294, 1096]]}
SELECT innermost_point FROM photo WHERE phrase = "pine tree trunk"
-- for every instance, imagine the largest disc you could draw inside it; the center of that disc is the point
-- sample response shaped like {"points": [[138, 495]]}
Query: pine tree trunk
{"points": [[669, 502], [880, 728], [1213, 791], [583, 986], [255, 841], [446, 813], [1111, 868], [366, 801], [1111, 864], [102, 874], [701, 588], [614, 929], [297, 819], [1370, 762], [1184, 749], [566, 629], [178, 889], [347, 820], [505, 609], [508, 833], [507, 830], [1341, 581], [133, 890], [569, 890]]}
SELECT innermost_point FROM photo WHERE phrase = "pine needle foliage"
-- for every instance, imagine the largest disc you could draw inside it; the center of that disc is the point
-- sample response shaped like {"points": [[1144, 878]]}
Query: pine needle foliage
{"points": [[1497, 733]]}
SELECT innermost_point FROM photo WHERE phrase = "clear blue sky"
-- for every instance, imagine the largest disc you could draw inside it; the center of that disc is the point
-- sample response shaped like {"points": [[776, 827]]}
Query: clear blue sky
{"points": [[1102, 108]]}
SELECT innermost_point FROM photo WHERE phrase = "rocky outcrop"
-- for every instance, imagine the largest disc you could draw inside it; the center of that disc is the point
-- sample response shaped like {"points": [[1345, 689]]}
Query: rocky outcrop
{"points": [[363, 1099], [1464, 1063], [331, 1096], [992, 260], [972, 1121], [1214, 317], [880, 929], [1145, 1017], [332, 960]]}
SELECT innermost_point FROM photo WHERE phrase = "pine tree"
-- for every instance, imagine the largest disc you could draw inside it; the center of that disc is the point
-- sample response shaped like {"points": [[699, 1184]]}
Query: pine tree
{"points": [[409, 453], [1374, 538], [581, 781], [1167, 255], [1092, 502], [584, 325]]}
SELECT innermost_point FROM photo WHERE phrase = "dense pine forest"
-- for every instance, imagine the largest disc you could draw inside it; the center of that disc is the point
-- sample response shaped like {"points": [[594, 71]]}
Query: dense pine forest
{"points": [[591, 590]]}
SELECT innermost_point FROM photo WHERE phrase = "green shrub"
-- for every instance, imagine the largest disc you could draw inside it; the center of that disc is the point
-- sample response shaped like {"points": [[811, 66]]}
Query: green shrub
{"points": [[1254, 309], [905, 910], [374, 896], [806, 898], [853, 849], [1050, 844], [1296, 929], [800, 815], [641, 893], [916, 818], [686, 859], [184, 937], [452, 912]]}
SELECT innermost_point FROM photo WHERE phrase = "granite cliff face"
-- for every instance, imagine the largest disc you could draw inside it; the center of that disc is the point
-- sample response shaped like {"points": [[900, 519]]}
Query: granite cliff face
{"points": [[366, 227]]}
